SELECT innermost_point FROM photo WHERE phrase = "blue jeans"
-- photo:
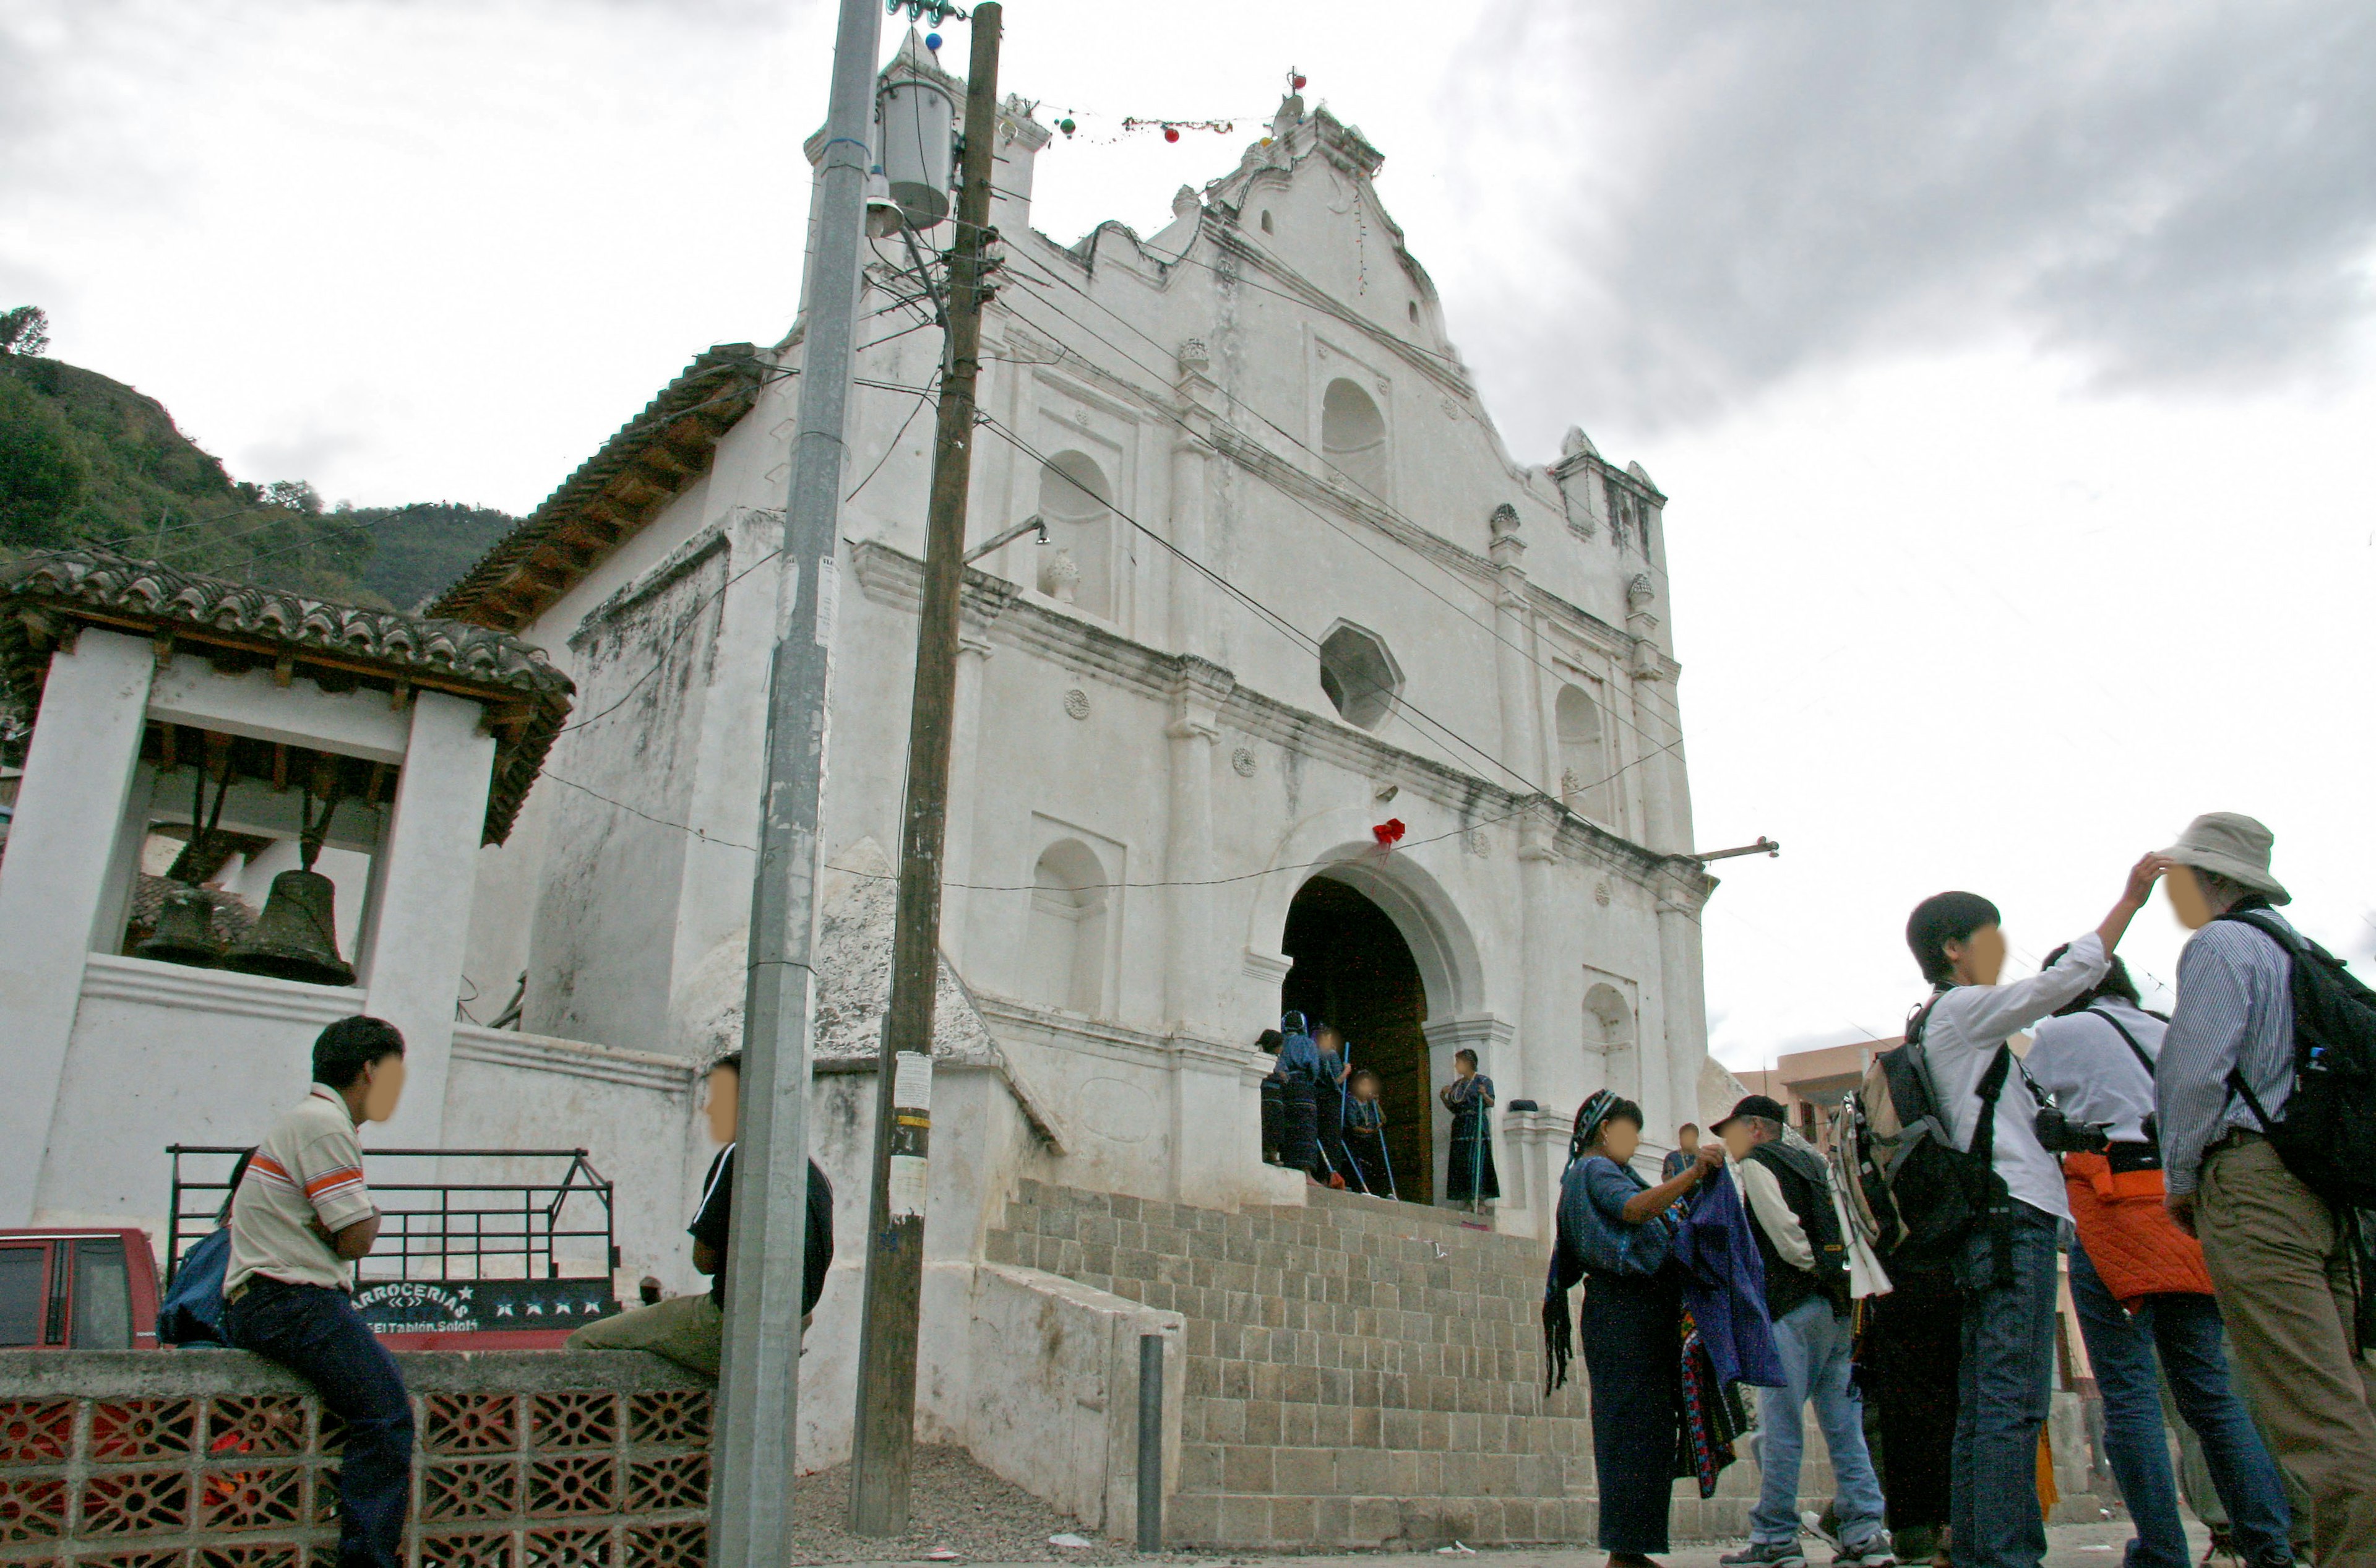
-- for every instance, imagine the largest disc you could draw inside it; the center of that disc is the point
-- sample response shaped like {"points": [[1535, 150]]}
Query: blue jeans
{"points": [[2002, 1397], [2185, 1329], [1816, 1347], [315, 1333]]}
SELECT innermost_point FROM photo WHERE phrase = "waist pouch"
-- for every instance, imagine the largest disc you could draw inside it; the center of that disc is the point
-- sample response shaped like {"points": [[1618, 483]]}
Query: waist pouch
{"points": [[2123, 1173]]}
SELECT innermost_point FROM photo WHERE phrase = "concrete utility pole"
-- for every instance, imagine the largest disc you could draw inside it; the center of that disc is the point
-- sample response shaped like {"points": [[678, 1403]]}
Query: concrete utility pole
{"points": [[883, 1449], [752, 1464]]}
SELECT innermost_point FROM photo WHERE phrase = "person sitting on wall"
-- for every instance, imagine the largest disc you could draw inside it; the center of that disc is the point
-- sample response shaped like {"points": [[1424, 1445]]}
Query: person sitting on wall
{"points": [[300, 1216], [1472, 1179], [691, 1330]]}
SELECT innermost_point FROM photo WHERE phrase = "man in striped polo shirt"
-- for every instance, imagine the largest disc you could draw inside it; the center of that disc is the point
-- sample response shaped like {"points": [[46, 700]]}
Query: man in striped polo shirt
{"points": [[300, 1218]]}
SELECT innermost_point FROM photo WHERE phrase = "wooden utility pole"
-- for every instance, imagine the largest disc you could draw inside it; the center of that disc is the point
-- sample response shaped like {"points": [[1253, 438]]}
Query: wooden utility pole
{"points": [[883, 1449]]}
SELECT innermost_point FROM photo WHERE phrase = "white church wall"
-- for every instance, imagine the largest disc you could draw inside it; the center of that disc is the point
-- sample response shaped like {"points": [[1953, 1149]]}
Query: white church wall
{"points": [[1075, 746], [635, 1113], [162, 1055]]}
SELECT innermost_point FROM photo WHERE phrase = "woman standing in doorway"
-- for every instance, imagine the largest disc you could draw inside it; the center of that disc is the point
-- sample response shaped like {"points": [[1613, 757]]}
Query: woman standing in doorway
{"points": [[1614, 1235], [1470, 1177]]}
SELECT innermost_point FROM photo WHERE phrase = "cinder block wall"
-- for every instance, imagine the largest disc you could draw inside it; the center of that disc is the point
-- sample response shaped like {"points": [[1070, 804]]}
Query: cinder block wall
{"points": [[213, 1458]]}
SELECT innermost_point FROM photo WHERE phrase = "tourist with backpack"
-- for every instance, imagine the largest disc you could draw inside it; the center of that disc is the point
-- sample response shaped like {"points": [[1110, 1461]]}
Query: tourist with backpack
{"points": [[2267, 1112], [2005, 1243], [2140, 1291]]}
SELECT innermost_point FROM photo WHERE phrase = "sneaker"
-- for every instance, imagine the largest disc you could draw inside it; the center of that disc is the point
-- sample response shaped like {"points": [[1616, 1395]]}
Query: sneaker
{"points": [[1767, 1554], [1877, 1552], [1917, 1543]]}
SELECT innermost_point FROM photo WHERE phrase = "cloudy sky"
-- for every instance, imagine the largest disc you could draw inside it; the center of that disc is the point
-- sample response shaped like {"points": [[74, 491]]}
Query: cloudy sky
{"points": [[2010, 365]]}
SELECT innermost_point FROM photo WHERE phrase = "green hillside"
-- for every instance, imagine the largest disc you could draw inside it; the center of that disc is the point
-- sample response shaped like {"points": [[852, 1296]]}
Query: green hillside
{"points": [[86, 460]]}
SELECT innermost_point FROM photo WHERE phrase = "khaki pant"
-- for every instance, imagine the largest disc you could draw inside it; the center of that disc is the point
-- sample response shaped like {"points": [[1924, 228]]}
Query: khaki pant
{"points": [[2284, 1281], [687, 1329]]}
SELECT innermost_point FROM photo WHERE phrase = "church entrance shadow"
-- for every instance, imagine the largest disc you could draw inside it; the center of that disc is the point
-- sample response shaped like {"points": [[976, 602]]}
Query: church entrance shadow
{"points": [[1353, 969]]}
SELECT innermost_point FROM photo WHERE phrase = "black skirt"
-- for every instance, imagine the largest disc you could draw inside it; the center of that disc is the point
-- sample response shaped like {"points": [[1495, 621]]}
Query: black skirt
{"points": [[1274, 1119], [1632, 1334], [1471, 1176], [1300, 1143]]}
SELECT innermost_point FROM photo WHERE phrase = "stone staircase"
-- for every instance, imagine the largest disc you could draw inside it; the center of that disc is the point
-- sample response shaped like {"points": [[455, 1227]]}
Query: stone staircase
{"points": [[1359, 1373]]}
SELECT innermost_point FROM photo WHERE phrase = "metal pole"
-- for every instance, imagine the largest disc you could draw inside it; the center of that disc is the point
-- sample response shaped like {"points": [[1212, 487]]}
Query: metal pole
{"points": [[1150, 1443], [882, 1445], [758, 1385]]}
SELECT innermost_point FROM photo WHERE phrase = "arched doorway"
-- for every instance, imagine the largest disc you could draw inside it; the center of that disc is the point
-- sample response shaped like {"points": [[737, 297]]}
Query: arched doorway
{"points": [[1353, 969]]}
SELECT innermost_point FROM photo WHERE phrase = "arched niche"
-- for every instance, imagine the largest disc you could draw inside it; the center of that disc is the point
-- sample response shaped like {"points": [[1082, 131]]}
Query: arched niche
{"points": [[1353, 437], [1065, 947], [1585, 785], [1608, 1033], [1076, 500]]}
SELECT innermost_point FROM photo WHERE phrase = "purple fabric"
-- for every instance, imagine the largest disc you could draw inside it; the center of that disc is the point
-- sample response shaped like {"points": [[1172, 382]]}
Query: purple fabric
{"points": [[1724, 1286]]}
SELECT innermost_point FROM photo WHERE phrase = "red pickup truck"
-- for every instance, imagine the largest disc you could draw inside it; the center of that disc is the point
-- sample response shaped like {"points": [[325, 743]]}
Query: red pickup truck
{"points": [[68, 1287]]}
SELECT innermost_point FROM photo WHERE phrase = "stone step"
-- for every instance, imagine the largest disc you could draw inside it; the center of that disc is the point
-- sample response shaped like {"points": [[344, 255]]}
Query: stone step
{"points": [[1308, 1424], [1288, 1522]]}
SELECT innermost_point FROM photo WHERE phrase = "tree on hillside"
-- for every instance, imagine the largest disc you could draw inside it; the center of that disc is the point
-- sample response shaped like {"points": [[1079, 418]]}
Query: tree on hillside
{"points": [[41, 475], [24, 330]]}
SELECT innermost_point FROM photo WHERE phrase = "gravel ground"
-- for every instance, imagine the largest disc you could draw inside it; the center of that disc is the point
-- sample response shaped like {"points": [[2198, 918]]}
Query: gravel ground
{"points": [[959, 1506], [954, 1504]]}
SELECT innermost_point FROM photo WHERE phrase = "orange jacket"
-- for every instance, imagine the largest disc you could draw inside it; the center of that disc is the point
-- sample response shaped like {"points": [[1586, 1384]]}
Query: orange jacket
{"points": [[2130, 1236]]}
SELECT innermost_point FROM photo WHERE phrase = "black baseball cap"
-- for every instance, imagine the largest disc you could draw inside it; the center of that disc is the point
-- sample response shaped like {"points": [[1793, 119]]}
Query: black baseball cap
{"points": [[1753, 1105]]}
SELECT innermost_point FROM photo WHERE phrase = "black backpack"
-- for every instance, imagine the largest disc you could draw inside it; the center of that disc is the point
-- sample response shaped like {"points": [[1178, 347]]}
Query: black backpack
{"points": [[1915, 1195], [2327, 1136]]}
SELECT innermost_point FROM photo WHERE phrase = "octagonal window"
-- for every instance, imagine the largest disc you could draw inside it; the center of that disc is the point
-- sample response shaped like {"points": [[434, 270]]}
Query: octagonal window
{"points": [[1360, 676]]}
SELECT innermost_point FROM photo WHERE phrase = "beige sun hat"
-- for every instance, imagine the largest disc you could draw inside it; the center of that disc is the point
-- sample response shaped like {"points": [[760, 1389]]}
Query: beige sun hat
{"points": [[2231, 845]]}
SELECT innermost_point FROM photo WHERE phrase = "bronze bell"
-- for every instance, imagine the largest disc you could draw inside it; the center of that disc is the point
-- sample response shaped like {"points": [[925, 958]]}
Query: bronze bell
{"points": [[296, 938], [185, 929]]}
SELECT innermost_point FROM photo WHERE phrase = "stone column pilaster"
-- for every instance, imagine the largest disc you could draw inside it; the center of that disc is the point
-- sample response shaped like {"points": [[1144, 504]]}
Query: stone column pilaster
{"points": [[78, 774], [974, 652], [1514, 672], [430, 860], [1189, 453], [1192, 960], [1540, 1030], [1682, 889]]}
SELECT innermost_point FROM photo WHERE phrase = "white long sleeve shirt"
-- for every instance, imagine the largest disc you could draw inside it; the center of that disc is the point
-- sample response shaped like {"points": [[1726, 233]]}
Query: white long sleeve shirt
{"points": [[1965, 1028], [2082, 1061]]}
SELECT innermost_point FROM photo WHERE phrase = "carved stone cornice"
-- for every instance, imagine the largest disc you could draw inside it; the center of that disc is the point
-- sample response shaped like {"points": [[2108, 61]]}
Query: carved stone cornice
{"points": [[892, 577], [239, 625]]}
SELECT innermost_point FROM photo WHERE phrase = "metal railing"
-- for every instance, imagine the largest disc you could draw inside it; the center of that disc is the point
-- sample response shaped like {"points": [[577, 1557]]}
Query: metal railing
{"points": [[434, 1227]]}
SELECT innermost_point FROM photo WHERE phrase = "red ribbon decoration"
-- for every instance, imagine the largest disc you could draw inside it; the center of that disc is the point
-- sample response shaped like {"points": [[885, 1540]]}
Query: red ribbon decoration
{"points": [[1388, 833]]}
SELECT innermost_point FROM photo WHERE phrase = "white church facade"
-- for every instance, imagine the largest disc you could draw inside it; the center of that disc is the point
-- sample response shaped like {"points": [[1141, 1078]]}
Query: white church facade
{"points": [[1295, 589], [1315, 698]]}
